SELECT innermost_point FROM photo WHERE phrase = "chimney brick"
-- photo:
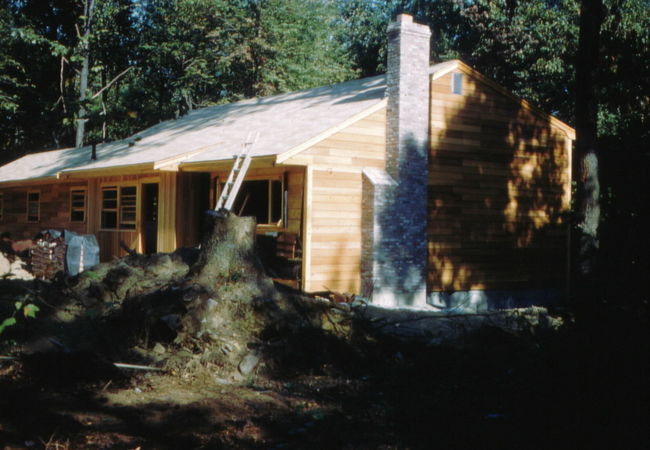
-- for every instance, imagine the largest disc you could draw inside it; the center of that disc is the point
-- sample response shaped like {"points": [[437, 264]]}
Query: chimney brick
{"points": [[399, 259]]}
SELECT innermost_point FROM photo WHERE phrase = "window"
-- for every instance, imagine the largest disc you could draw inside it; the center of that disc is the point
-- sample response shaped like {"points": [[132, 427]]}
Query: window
{"points": [[33, 206], [457, 83], [119, 207], [261, 199], [127, 207], [78, 205]]}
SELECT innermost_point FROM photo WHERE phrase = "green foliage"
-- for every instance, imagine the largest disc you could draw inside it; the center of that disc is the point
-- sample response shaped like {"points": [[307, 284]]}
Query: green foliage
{"points": [[365, 25], [528, 47], [157, 59], [9, 321], [92, 275], [525, 46], [624, 76], [186, 54], [29, 310]]}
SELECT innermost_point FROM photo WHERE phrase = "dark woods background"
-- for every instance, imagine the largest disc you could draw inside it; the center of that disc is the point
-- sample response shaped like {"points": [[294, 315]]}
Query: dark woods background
{"points": [[145, 61]]}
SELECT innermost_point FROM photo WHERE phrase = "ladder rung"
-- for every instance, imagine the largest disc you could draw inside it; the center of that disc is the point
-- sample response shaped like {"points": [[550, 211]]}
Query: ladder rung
{"points": [[237, 174]]}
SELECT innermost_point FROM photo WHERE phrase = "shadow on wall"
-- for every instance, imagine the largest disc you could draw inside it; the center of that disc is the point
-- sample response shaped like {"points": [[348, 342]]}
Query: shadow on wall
{"points": [[400, 247], [497, 195]]}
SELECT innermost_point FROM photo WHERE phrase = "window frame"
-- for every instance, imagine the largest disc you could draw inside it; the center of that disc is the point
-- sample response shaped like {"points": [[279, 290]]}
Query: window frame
{"points": [[457, 83], [83, 209], [28, 218], [281, 223], [119, 209]]}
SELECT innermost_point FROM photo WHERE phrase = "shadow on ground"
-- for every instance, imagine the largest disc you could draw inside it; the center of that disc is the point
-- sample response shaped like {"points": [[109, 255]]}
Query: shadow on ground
{"points": [[580, 388]]}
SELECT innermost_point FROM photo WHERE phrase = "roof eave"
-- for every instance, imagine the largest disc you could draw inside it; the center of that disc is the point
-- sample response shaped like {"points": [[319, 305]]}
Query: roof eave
{"points": [[27, 181], [127, 169], [257, 162]]}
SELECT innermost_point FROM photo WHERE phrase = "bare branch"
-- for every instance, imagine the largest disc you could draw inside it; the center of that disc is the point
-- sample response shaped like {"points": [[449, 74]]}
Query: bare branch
{"points": [[110, 83], [63, 61]]}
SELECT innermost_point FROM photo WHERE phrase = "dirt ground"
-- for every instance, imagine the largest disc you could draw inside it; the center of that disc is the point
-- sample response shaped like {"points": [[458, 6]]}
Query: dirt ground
{"points": [[565, 390], [244, 364]]}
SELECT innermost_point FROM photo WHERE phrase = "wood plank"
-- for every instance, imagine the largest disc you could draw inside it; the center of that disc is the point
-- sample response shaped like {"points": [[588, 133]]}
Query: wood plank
{"points": [[306, 230], [167, 212]]}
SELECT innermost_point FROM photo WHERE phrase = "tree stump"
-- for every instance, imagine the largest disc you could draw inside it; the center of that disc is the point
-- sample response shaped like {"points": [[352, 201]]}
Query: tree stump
{"points": [[228, 254]]}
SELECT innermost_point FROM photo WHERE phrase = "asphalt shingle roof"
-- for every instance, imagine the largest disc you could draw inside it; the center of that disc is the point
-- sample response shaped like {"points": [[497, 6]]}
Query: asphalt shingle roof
{"points": [[216, 133]]}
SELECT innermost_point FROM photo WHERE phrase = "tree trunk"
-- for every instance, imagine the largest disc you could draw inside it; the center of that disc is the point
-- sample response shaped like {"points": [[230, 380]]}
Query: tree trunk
{"points": [[228, 254], [83, 75], [586, 158]]}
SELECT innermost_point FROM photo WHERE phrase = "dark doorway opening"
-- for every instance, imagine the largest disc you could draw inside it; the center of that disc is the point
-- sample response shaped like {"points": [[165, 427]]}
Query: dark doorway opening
{"points": [[150, 217]]}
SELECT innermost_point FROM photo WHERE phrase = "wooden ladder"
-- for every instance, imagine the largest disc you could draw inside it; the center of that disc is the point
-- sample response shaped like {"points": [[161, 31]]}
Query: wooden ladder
{"points": [[237, 175]]}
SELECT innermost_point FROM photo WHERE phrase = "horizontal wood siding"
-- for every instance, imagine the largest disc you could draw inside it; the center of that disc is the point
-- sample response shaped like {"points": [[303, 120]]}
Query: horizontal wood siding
{"points": [[54, 209], [498, 191], [335, 204], [335, 231]]}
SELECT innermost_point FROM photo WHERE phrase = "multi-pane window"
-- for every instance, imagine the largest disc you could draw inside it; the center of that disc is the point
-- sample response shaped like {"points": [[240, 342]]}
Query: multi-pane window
{"points": [[128, 207], [261, 199], [78, 205], [33, 206], [119, 207]]}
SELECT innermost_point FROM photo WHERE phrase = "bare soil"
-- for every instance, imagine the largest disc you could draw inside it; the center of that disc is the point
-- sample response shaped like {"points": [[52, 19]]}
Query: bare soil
{"points": [[241, 363], [566, 390]]}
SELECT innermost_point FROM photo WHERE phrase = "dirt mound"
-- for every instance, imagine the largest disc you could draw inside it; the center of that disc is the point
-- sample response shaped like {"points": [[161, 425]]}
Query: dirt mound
{"points": [[214, 312], [191, 312]]}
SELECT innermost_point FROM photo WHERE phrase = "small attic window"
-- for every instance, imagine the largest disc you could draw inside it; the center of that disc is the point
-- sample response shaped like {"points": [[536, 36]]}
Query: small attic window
{"points": [[457, 83]]}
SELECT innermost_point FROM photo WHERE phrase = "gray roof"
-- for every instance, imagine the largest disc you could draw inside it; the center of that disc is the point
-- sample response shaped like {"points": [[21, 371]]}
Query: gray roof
{"points": [[216, 133]]}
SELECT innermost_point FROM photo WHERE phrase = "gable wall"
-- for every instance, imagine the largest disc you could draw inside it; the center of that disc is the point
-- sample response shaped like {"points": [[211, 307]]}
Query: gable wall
{"points": [[333, 251], [498, 188]]}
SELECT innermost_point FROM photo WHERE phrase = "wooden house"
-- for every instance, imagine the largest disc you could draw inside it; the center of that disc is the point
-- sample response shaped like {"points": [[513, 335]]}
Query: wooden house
{"points": [[429, 184]]}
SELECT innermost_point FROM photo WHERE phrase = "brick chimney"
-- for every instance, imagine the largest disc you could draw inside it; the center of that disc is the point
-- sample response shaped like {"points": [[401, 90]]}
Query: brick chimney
{"points": [[407, 81], [394, 251]]}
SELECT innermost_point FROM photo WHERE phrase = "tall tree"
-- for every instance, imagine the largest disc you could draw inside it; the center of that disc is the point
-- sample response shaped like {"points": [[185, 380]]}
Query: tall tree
{"points": [[199, 52], [38, 34], [586, 152], [84, 44], [112, 44]]}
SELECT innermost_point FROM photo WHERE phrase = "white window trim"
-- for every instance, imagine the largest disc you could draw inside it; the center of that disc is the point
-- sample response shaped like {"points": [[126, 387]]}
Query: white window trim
{"points": [[85, 207], [280, 224], [457, 83], [119, 186], [38, 215]]}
